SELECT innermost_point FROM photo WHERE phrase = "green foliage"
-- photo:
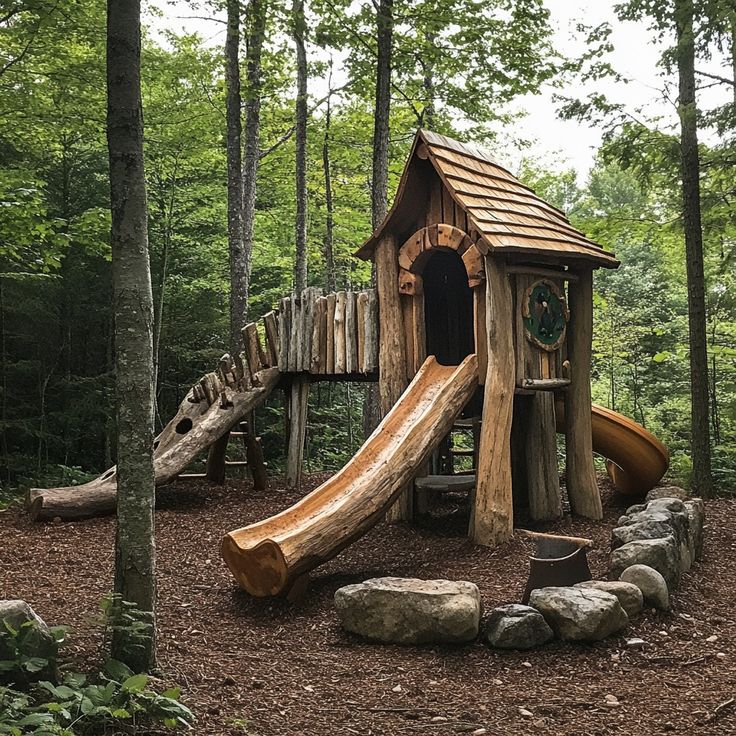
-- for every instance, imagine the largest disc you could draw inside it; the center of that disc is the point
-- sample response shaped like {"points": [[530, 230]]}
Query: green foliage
{"points": [[20, 650], [116, 698], [78, 705]]}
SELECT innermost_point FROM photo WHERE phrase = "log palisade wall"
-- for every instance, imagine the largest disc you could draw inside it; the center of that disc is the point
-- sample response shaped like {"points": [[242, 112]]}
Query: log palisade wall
{"points": [[324, 336]]}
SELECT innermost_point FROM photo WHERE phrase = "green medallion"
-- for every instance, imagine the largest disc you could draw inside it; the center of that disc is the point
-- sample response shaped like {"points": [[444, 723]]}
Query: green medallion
{"points": [[545, 315]]}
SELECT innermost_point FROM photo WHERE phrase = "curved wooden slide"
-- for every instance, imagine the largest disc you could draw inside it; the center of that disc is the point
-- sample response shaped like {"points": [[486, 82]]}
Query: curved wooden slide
{"points": [[198, 423], [637, 460], [267, 557]]}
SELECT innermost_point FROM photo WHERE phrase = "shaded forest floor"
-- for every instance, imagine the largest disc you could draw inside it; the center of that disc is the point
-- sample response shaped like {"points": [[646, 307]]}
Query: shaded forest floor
{"points": [[270, 668]]}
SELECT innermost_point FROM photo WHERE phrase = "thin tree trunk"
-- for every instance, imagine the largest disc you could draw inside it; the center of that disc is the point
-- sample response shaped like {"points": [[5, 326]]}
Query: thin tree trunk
{"points": [[379, 185], [379, 189], [133, 309], [428, 113], [702, 481], [300, 264], [239, 274], [329, 241]]}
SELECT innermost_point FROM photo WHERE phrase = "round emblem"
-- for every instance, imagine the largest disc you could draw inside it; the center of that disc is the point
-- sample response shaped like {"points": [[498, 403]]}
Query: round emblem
{"points": [[545, 315]]}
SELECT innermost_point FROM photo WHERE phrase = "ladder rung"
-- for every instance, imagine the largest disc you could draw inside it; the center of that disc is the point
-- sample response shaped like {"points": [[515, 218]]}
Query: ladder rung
{"points": [[235, 463], [463, 453], [191, 476]]}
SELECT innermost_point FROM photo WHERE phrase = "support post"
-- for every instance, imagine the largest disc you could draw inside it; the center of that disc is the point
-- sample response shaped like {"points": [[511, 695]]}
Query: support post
{"points": [[582, 485], [392, 349], [254, 454], [492, 516], [215, 468], [543, 477], [298, 402]]}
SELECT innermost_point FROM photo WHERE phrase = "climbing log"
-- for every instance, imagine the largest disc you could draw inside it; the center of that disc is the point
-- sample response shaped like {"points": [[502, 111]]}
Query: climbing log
{"points": [[582, 485], [492, 516], [196, 426], [297, 416]]}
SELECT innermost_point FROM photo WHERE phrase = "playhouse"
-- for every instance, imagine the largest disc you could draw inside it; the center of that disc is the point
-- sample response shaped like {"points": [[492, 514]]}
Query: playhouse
{"points": [[483, 310]]}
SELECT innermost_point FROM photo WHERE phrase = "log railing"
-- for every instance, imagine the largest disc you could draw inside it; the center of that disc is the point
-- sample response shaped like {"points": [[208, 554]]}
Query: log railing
{"points": [[328, 335]]}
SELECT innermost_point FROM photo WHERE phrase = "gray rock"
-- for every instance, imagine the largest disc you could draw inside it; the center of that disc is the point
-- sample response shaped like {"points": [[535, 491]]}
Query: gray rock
{"points": [[410, 611], [666, 492], [661, 554], [650, 526], [580, 614], [651, 584], [651, 522], [695, 510], [629, 596], [516, 627], [37, 640]]}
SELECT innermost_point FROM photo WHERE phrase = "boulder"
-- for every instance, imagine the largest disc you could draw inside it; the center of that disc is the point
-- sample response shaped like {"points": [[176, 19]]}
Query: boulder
{"points": [[580, 614], [33, 640], [661, 554], [629, 596], [651, 584], [695, 510], [516, 627], [666, 492], [656, 524], [410, 611]]}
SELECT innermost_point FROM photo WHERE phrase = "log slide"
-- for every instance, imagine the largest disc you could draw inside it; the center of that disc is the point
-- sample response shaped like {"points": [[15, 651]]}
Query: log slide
{"points": [[211, 408], [635, 459], [267, 558]]}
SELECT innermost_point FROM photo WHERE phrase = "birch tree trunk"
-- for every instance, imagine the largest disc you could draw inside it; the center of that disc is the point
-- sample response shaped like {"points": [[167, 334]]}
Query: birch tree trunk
{"points": [[133, 308], [702, 480], [239, 271], [251, 145]]}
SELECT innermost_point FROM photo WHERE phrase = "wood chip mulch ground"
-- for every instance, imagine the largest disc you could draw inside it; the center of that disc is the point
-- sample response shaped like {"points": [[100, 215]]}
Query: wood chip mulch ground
{"points": [[271, 668]]}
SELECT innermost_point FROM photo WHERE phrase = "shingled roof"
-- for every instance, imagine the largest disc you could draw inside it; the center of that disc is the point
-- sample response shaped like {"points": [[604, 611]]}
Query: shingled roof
{"points": [[506, 215]]}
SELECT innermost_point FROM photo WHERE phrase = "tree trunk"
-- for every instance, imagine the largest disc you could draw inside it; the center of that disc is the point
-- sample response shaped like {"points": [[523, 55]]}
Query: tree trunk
{"points": [[379, 188], [133, 308], [239, 267], [379, 184], [251, 146], [300, 265], [702, 480], [329, 241]]}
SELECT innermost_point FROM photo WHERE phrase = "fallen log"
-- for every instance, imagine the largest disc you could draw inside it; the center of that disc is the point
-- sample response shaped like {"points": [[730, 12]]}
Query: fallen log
{"points": [[194, 428]]}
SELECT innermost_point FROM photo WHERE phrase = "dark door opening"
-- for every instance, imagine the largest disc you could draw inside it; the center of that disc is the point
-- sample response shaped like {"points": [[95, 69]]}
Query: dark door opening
{"points": [[448, 308]]}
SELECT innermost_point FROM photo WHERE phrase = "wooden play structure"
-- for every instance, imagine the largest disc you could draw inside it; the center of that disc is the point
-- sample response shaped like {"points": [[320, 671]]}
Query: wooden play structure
{"points": [[483, 310]]}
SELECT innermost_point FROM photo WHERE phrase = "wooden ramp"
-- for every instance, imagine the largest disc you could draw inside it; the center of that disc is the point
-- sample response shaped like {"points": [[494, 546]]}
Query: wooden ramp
{"points": [[210, 409], [268, 557]]}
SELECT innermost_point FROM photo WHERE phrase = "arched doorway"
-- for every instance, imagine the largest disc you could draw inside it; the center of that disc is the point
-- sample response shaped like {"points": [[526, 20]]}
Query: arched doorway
{"points": [[448, 307]]}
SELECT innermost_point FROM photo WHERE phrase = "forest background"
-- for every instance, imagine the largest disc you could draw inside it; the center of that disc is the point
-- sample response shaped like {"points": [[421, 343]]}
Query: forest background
{"points": [[457, 69]]}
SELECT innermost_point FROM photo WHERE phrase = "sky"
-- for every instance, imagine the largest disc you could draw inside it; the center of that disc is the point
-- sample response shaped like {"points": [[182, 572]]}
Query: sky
{"points": [[554, 142]]}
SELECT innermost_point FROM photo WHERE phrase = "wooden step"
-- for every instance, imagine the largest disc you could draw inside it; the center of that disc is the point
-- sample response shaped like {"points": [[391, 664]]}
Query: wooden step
{"points": [[445, 483]]}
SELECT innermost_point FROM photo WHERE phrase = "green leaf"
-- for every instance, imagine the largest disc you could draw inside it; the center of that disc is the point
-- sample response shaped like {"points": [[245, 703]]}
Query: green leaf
{"points": [[173, 692], [34, 664], [117, 670], [120, 713], [136, 683]]}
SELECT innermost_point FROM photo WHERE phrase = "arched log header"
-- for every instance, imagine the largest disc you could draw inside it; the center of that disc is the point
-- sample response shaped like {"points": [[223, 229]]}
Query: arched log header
{"points": [[415, 252]]}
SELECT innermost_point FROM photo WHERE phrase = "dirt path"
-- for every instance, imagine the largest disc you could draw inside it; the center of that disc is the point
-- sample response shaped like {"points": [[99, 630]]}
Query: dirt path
{"points": [[268, 668]]}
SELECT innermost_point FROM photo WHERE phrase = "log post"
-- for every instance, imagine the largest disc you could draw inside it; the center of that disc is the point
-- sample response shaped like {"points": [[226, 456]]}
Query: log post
{"points": [[254, 455], [391, 349], [543, 478], [582, 485], [298, 403], [215, 468], [492, 516]]}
